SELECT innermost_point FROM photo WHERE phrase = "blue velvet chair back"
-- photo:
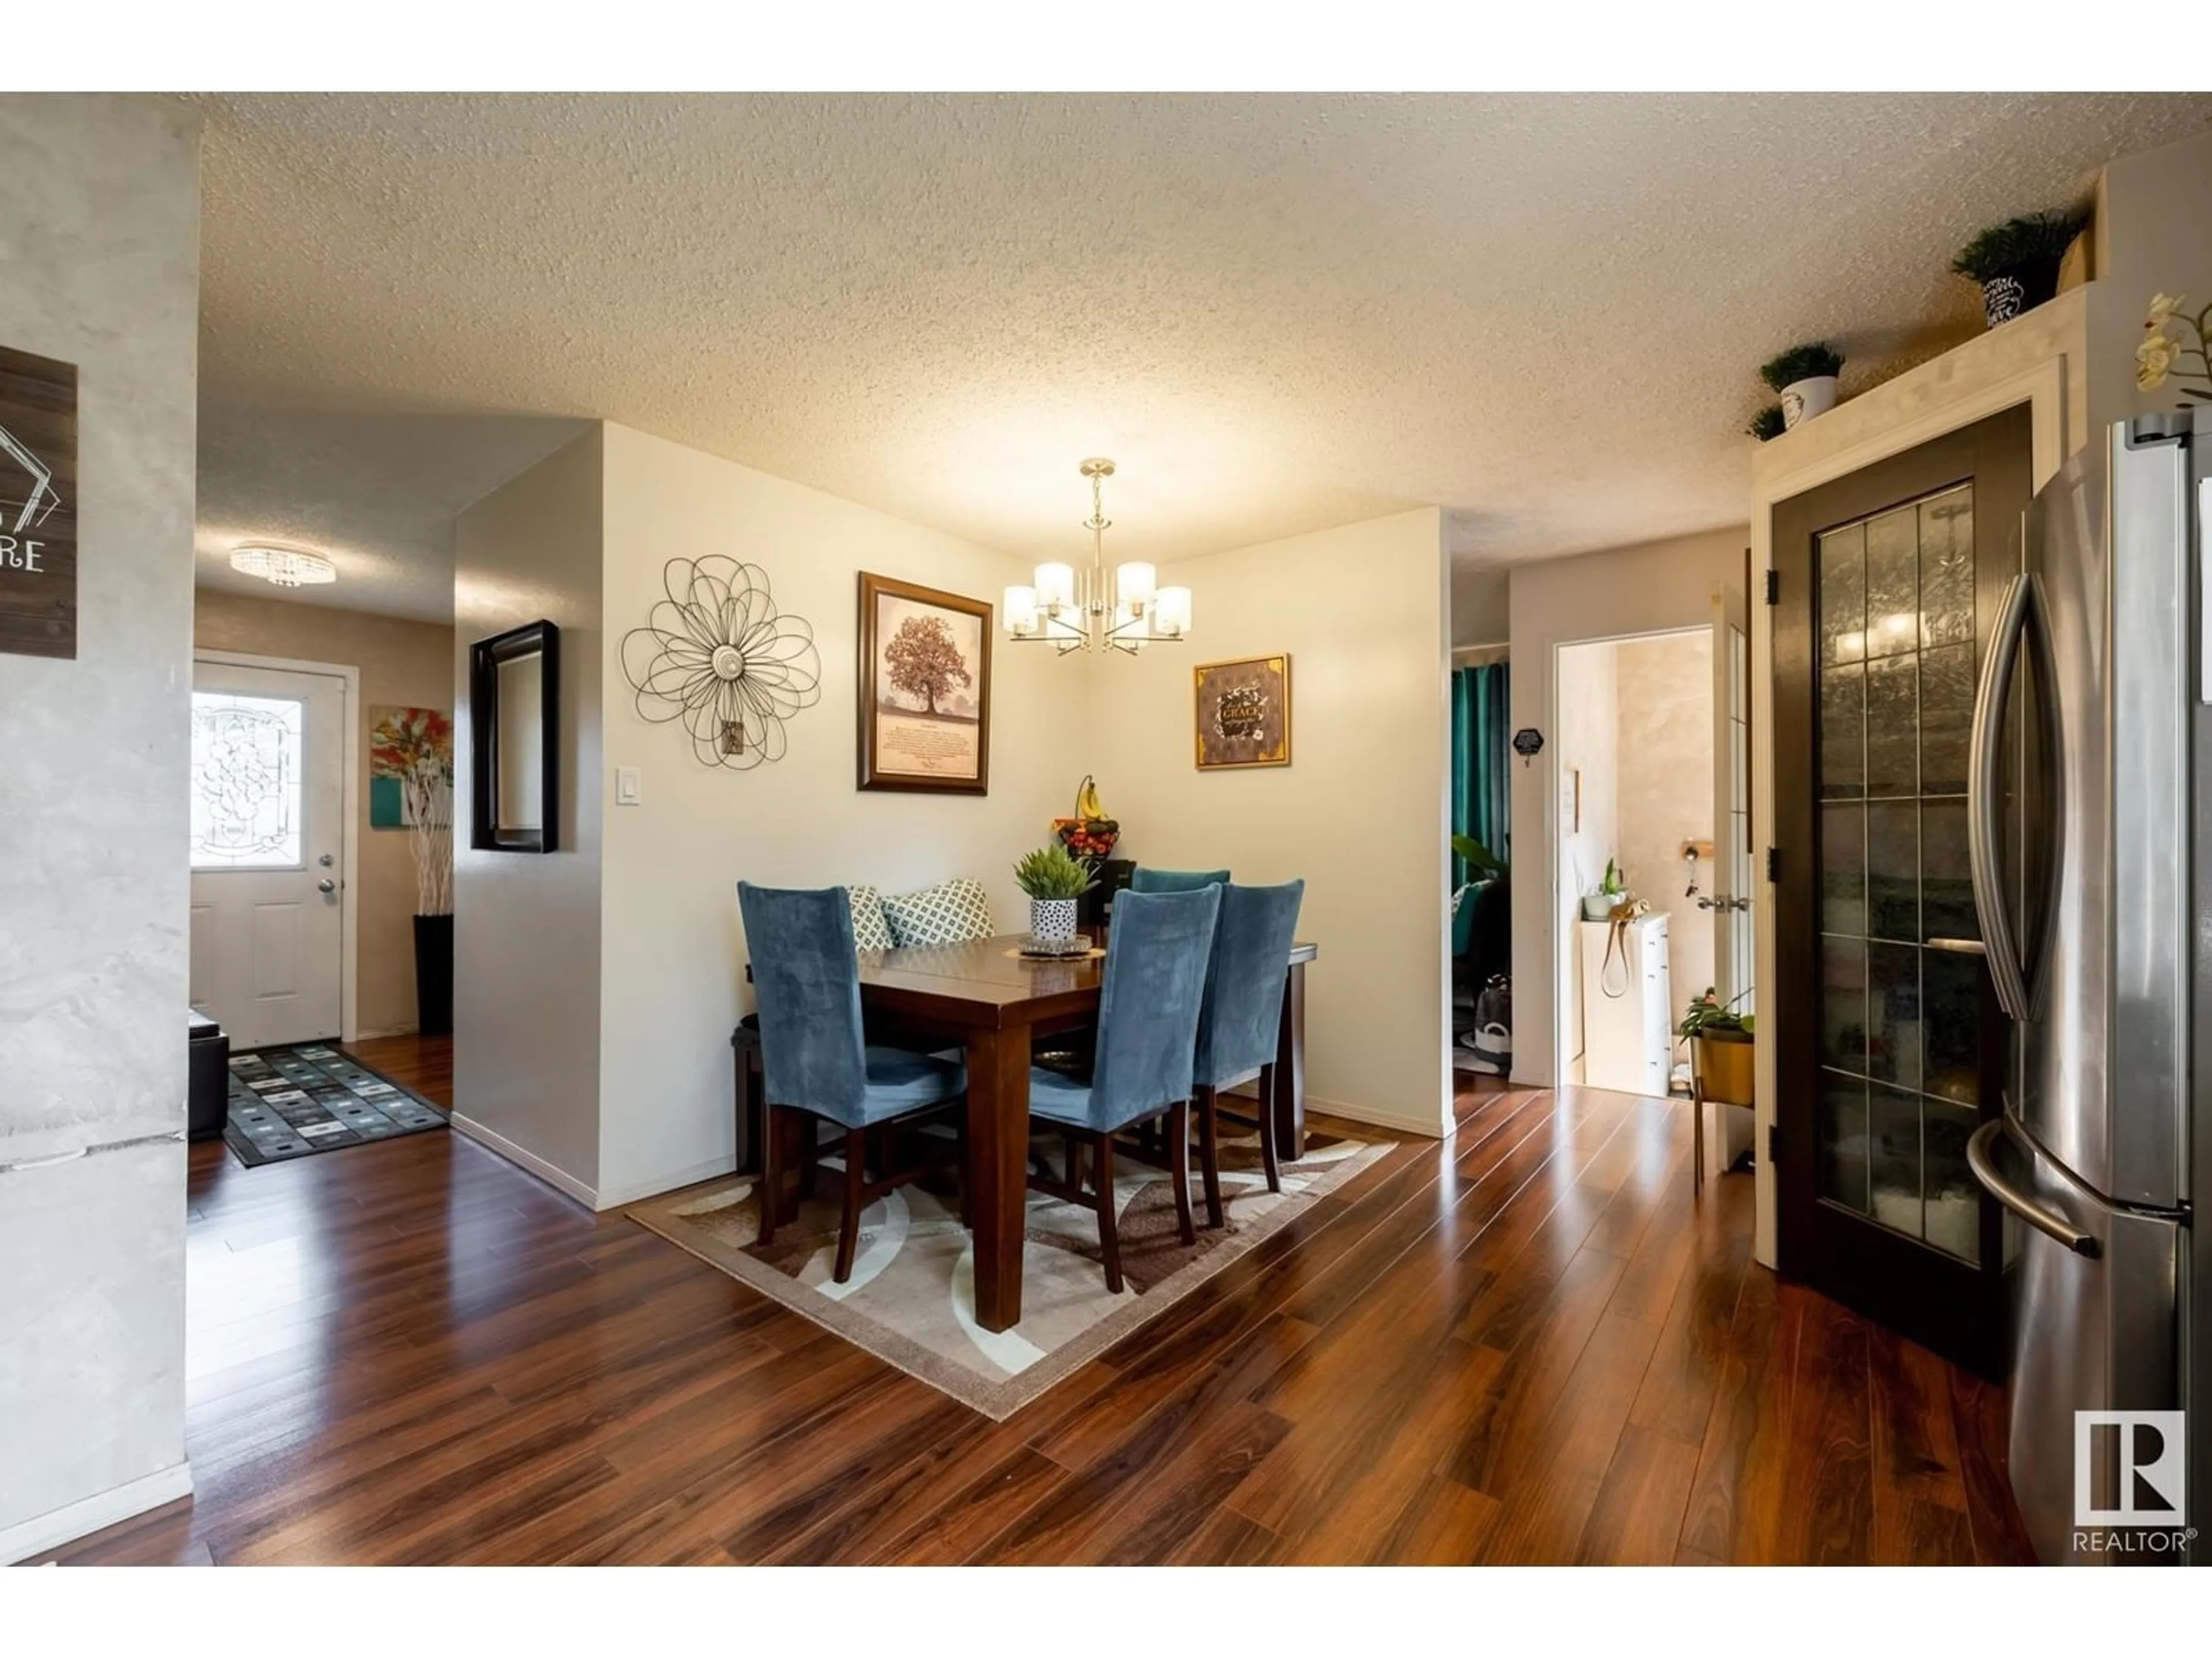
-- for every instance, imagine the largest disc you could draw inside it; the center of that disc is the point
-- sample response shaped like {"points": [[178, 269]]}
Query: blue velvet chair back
{"points": [[1148, 1005], [1243, 1011], [1142, 880], [807, 979]]}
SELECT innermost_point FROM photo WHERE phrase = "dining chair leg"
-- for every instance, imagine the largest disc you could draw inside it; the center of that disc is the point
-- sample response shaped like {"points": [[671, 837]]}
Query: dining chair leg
{"points": [[1109, 1239], [1267, 1155], [771, 1167], [1074, 1161], [1179, 1167], [849, 1228], [810, 1155], [1209, 1153]]}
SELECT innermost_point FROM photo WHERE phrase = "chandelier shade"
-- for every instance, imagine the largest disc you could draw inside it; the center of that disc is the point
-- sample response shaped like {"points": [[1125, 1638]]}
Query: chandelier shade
{"points": [[1084, 609]]}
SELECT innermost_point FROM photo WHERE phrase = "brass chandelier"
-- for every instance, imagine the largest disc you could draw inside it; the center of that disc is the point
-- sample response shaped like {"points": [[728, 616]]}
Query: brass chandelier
{"points": [[1075, 610]]}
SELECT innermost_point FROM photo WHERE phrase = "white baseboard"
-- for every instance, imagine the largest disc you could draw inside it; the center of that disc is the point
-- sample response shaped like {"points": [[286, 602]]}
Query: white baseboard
{"points": [[552, 1175], [71, 1522], [1436, 1128], [1433, 1128], [368, 1031], [613, 1198]]}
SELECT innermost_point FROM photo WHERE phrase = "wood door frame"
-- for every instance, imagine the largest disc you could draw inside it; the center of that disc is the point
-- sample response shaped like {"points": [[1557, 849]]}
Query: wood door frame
{"points": [[349, 809], [1876, 1277], [2038, 359]]}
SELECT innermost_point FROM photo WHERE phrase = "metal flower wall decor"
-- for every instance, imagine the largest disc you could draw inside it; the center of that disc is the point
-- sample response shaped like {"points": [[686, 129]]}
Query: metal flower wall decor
{"points": [[718, 655]]}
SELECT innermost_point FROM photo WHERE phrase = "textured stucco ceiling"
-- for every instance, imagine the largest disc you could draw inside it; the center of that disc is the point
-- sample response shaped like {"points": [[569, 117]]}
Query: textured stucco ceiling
{"points": [[1277, 312]]}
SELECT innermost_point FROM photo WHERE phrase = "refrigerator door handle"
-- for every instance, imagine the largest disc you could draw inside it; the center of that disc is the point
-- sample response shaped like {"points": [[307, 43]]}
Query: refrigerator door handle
{"points": [[1981, 1158], [1983, 798]]}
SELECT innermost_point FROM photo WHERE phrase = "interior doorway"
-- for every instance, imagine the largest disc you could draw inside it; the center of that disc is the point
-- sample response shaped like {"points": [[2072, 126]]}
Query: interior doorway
{"points": [[273, 762], [1651, 855]]}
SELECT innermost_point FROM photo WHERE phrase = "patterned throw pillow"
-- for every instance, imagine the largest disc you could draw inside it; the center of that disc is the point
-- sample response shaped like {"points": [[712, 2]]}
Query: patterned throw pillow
{"points": [[869, 932], [944, 915]]}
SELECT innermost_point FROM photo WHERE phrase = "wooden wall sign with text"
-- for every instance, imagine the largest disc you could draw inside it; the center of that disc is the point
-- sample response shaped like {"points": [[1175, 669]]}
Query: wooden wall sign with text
{"points": [[38, 505]]}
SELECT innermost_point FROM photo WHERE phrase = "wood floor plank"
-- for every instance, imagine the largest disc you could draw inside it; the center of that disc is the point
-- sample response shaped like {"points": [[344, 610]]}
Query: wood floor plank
{"points": [[1637, 1518], [1525, 1343]]}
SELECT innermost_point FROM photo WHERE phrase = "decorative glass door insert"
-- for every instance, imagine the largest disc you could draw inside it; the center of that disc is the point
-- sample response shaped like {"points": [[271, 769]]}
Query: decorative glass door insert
{"points": [[247, 782], [1900, 983]]}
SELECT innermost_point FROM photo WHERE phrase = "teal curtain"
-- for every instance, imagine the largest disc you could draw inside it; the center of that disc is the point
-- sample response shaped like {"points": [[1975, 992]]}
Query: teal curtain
{"points": [[1480, 792]]}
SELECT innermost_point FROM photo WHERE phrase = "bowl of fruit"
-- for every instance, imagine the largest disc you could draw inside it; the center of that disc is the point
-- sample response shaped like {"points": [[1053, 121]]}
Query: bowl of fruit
{"points": [[1089, 834]]}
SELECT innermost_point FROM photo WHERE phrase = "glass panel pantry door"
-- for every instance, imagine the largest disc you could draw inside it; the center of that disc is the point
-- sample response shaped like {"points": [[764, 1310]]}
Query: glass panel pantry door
{"points": [[1891, 1049]]}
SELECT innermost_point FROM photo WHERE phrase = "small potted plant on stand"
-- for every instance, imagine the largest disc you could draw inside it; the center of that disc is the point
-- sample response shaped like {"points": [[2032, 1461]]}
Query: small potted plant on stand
{"points": [[2017, 262], [1804, 378], [1054, 878], [1723, 1052]]}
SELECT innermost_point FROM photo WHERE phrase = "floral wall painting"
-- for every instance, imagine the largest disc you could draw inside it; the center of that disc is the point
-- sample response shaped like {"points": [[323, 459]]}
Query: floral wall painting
{"points": [[718, 656], [925, 694], [407, 747], [1243, 713]]}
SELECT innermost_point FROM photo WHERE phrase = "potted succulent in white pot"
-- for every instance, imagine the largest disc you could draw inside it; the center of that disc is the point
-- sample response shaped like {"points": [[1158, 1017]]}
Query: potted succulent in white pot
{"points": [[1611, 890], [1054, 879], [1804, 378]]}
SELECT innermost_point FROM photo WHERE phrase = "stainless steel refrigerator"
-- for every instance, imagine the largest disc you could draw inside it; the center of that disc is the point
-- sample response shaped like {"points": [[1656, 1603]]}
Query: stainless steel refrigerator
{"points": [[2091, 809]]}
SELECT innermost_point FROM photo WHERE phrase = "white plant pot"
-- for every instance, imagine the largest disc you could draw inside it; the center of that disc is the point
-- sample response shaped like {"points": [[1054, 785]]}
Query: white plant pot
{"points": [[1052, 921], [1803, 400], [1596, 907]]}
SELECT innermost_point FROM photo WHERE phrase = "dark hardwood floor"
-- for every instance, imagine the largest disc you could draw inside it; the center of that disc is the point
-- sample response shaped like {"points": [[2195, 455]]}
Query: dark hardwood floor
{"points": [[1528, 1345]]}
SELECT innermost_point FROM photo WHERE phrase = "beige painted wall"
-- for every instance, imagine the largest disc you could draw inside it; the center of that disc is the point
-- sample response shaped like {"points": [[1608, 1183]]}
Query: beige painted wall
{"points": [[674, 949], [1359, 813], [1646, 589], [1665, 788], [526, 942], [402, 662]]}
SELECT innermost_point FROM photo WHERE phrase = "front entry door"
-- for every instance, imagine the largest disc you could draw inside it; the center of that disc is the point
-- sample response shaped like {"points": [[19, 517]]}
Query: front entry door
{"points": [[1891, 1046], [268, 799]]}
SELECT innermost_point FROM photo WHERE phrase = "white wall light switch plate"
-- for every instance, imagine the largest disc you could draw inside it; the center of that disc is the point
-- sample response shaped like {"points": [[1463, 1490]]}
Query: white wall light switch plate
{"points": [[628, 791]]}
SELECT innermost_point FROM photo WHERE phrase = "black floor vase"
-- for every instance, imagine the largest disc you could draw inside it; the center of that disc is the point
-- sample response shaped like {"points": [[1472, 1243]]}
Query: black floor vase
{"points": [[433, 974]]}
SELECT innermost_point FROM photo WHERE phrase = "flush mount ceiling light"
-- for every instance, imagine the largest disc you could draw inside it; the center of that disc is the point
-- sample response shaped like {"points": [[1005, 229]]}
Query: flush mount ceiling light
{"points": [[287, 567], [1078, 611]]}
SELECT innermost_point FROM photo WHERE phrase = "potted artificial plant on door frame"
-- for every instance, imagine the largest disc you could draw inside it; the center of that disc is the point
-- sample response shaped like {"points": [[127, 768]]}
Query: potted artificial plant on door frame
{"points": [[1054, 879], [2017, 262], [1805, 377], [416, 746]]}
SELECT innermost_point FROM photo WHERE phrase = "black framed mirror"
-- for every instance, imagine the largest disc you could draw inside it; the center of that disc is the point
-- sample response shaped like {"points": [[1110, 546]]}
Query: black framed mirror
{"points": [[514, 726]]}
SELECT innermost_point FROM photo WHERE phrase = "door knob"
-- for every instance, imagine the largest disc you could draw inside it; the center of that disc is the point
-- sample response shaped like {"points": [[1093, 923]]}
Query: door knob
{"points": [[326, 885]]}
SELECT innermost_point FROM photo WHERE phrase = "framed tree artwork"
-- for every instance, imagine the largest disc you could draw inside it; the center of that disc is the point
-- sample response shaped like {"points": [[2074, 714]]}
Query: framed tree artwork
{"points": [[925, 700], [1243, 713]]}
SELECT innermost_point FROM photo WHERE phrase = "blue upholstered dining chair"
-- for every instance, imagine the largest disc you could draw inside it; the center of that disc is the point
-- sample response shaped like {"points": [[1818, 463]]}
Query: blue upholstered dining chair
{"points": [[1142, 880], [1242, 1018], [1148, 1006], [813, 1056]]}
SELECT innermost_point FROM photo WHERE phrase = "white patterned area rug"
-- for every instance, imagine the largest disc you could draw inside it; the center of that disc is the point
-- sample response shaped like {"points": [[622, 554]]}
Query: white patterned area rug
{"points": [[911, 1298]]}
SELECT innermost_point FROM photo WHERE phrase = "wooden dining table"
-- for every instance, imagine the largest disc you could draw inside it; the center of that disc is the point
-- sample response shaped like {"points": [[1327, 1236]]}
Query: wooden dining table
{"points": [[993, 1000]]}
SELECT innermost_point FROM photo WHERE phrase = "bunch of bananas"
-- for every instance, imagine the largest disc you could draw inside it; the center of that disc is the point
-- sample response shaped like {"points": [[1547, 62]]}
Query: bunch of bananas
{"points": [[1089, 834]]}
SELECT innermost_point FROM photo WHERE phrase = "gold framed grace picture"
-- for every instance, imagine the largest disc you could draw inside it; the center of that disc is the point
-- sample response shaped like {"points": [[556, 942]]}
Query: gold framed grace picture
{"points": [[1244, 712], [925, 698]]}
